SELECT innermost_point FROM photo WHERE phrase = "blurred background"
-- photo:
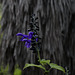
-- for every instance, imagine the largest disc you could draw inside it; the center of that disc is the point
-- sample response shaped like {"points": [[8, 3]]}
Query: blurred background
{"points": [[56, 20]]}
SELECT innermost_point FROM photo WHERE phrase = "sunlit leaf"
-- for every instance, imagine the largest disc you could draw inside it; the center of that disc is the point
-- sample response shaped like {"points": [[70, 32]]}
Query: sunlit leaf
{"points": [[6, 69], [2, 69], [30, 65], [17, 71], [44, 62], [55, 66], [0, 17]]}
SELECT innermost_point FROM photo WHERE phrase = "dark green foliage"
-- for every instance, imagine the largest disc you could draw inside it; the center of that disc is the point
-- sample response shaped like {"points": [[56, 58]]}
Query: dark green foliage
{"points": [[17, 70], [4, 71]]}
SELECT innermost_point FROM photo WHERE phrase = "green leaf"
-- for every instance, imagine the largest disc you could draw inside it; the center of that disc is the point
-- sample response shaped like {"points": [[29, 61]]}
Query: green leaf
{"points": [[6, 69], [29, 65], [55, 66], [0, 17], [17, 71], [2, 69], [44, 62]]}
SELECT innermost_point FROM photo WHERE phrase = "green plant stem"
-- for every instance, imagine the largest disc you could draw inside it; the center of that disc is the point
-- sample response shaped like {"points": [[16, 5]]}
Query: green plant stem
{"points": [[45, 73], [38, 55], [67, 72]]}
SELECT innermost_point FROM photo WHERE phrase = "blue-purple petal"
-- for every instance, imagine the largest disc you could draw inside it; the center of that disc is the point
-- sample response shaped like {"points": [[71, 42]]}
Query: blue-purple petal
{"points": [[25, 40], [20, 34], [25, 36], [28, 45], [29, 41], [30, 35], [36, 39], [21, 38]]}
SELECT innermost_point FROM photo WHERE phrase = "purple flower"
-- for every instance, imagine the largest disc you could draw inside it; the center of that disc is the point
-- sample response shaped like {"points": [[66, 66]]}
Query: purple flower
{"points": [[23, 36], [32, 39], [36, 39], [30, 35], [27, 43], [20, 34]]}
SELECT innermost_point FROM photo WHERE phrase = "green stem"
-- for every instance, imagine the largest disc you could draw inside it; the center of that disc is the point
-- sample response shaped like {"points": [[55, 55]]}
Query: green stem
{"points": [[46, 72], [38, 55], [67, 72]]}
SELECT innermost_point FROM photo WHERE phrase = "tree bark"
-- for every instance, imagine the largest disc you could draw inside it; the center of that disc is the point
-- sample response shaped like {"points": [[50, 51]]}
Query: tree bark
{"points": [[1, 1], [57, 30]]}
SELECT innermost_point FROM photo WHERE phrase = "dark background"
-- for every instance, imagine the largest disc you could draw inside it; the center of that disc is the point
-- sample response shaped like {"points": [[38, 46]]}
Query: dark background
{"points": [[57, 28]]}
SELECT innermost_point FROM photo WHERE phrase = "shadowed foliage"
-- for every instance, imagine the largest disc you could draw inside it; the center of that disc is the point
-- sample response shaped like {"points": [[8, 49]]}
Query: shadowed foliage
{"points": [[57, 30]]}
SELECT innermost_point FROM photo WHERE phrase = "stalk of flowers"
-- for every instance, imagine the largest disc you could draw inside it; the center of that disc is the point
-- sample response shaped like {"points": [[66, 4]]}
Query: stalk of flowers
{"points": [[32, 39]]}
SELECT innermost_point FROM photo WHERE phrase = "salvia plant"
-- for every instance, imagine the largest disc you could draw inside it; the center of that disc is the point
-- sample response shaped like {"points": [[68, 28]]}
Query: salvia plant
{"points": [[33, 41]]}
